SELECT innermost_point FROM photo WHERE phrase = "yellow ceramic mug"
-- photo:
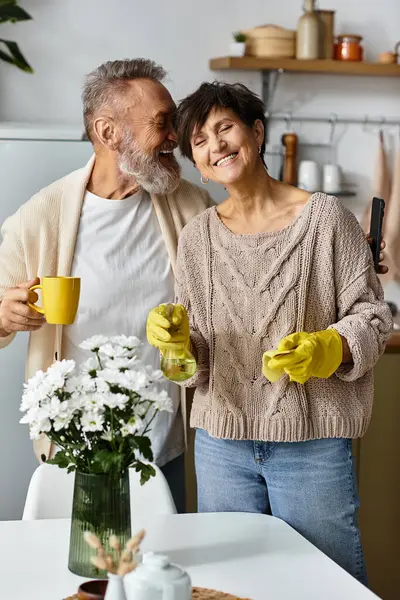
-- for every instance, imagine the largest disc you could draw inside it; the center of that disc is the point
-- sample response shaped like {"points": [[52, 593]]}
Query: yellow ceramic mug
{"points": [[60, 299]]}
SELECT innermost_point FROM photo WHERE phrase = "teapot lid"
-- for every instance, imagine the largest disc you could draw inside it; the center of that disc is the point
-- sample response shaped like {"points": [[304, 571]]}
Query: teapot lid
{"points": [[161, 561], [158, 568]]}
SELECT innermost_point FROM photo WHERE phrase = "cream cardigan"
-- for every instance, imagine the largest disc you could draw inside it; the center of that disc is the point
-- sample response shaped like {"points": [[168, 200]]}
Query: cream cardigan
{"points": [[39, 240]]}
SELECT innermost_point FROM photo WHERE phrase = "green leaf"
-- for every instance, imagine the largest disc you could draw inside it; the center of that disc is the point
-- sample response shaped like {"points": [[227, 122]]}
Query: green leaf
{"points": [[146, 471], [60, 460], [102, 461], [15, 57], [2, 2], [105, 461], [143, 444], [6, 57], [13, 13]]}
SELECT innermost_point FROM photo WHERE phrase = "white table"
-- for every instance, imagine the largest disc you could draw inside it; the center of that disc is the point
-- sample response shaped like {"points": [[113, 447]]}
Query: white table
{"points": [[251, 555]]}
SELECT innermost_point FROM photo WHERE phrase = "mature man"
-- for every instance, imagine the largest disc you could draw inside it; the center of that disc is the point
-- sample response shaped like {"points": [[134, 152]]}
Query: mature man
{"points": [[114, 223]]}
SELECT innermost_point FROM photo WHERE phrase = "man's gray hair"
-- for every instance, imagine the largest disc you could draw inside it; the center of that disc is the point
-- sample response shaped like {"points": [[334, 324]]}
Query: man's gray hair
{"points": [[103, 85]]}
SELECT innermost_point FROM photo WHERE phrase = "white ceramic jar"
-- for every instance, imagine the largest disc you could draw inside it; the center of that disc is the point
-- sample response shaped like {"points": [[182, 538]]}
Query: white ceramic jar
{"points": [[309, 176], [332, 179]]}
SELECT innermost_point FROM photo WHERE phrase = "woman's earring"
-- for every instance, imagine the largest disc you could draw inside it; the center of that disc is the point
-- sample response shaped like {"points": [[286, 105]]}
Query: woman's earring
{"points": [[259, 149], [204, 180]]}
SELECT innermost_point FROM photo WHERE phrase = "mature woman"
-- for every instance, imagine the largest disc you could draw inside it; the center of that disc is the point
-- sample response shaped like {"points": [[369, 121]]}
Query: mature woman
{"points": [[273, 267]]}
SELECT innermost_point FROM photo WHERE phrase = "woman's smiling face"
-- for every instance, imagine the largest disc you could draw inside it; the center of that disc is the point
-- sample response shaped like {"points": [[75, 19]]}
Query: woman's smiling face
{"points": [[225, 149]]}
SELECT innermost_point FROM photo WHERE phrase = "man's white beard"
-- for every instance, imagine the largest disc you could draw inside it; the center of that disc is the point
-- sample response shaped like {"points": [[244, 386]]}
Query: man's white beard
{"points": [[148, 171]]}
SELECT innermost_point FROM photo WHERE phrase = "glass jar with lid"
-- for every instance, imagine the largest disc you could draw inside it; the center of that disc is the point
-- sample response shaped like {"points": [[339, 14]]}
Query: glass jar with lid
{"points": [[348, 47]]}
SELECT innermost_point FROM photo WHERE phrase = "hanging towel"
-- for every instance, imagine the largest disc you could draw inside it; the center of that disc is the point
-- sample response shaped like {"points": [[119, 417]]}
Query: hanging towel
{"points": [[392, 225], [381, 184]]}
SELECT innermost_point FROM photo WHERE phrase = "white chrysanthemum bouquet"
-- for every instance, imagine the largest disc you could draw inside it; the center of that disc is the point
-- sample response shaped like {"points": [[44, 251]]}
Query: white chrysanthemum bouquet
{"points": [[98, 416]]}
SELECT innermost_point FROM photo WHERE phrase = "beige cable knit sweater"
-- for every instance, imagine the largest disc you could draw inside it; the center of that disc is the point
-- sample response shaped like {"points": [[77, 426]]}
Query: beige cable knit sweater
{"points": [[245, 292]]}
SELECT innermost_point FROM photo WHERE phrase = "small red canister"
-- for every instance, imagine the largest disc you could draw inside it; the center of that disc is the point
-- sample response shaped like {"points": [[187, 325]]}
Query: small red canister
{"points": [[348, 47]]}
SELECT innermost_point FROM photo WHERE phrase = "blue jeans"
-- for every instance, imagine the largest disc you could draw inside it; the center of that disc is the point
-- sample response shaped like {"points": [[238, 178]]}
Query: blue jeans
{"points": [[310, 485]]}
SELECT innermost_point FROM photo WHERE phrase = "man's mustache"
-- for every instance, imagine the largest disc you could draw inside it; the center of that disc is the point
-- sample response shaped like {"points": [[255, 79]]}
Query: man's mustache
{"points": [[167, 147]]}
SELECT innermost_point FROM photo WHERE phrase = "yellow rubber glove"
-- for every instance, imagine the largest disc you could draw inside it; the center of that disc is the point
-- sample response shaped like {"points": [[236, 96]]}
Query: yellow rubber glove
{"points": [[168, 328], [303, 355]]}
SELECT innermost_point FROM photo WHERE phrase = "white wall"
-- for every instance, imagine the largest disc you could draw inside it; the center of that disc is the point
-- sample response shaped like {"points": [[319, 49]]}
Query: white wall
{"points": [[68, 38]]}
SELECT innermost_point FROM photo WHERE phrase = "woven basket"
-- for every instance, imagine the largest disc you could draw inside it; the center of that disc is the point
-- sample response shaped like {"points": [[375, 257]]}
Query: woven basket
{"points": [[198, 594], [271, 41], [204, 594]]}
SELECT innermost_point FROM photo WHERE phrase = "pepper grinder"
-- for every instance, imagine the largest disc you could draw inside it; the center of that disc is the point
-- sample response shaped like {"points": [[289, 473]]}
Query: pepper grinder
{"points": [[289, 141]]}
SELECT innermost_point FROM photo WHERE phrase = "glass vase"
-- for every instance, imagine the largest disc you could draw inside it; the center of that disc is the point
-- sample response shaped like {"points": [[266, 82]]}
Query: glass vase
{"points": [[101, 505]]}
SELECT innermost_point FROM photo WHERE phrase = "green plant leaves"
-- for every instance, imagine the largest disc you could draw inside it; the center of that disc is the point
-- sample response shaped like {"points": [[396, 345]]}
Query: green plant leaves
{"points": [[146, 471], [61, 460], [143, 444], [106, 461], [14, 56], [9, 11]]}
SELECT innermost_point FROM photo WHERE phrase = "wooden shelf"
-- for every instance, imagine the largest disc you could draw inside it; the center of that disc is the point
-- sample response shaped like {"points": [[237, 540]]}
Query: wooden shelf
{"points": [[252, 63]]}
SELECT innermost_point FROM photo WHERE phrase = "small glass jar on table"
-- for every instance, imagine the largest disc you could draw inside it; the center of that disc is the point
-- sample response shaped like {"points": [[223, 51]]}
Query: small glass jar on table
{"points": [[348, 48]]}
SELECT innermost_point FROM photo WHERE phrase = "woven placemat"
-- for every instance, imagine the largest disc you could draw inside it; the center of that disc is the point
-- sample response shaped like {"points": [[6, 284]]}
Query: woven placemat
{"points": [[204, 594], [198, 594]]}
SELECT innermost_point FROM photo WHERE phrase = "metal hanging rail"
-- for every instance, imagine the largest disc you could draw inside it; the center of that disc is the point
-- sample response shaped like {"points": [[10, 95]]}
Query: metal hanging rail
{"points": [[335, 119]]}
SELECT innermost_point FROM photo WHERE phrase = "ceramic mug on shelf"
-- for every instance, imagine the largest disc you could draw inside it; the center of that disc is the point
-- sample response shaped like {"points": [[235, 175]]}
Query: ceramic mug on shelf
{"points": [[309, 176], [332, 179]]}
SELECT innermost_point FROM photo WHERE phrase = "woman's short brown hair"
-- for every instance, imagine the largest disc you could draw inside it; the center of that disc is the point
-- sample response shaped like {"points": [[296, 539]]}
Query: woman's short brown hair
{"points": [[193, 110]]}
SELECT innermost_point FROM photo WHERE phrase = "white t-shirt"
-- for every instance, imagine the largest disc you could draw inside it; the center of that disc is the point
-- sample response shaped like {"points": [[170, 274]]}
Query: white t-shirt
{"points": [[125, 271]]}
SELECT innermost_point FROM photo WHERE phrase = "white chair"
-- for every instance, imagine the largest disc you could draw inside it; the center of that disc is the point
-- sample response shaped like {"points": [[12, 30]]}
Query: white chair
{"points": [[51, 490]]}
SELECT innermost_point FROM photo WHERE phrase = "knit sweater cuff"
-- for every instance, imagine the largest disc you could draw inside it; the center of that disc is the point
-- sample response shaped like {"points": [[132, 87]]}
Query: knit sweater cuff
{"points": [[7, 340], [364, 351]]}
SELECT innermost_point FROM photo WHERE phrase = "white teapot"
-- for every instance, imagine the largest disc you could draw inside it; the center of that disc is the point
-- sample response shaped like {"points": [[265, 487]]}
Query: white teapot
{"points": [[157, 579]]}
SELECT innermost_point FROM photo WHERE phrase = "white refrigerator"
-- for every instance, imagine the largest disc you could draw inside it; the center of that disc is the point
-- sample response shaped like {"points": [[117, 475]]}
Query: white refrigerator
{"points": [[31, 157]]}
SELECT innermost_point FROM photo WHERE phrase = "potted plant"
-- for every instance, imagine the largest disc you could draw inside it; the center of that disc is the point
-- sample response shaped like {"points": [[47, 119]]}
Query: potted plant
{"points": [[98, 417], [238, 46], [9, 51]]}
